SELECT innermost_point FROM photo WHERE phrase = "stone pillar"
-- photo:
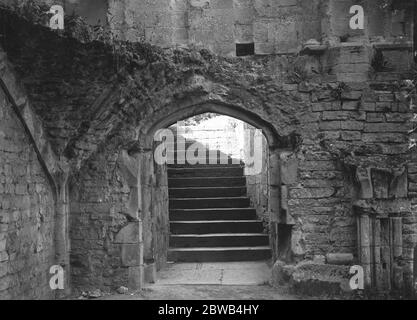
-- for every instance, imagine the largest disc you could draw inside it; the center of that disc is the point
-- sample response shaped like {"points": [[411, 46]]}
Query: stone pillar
{"points": [[364, 246], [274, 196], [288, 167], [397, 252], [146, 185], [377, 274], [283, 168], [62, 244], [381, 211], [131, 236], [414, 270]]}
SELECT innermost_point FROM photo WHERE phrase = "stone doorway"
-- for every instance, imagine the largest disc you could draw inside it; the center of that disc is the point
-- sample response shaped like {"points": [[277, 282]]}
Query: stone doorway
{"points": [[197, 241], [217, 173], [135, 198]]}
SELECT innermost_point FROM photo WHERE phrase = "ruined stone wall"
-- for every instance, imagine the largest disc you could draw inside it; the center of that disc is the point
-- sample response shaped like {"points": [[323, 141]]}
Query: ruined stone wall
{"points": [[160, 217], [381, 24], [410, 225], [97, 201], [167, 23], [104, 238], [282, 26], [274, 26], [338, 133], [26, 214], [369, 125], [257, 180]]}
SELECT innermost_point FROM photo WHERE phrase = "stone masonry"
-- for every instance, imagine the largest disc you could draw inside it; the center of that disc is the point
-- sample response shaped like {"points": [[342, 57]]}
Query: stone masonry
{"points": [[78, 184], [27, 213]]}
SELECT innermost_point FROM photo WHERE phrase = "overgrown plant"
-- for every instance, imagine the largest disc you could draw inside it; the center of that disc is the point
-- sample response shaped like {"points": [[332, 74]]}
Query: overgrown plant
{"points": [[393, 4], [408, 94], [379, 63], [297, 73]]}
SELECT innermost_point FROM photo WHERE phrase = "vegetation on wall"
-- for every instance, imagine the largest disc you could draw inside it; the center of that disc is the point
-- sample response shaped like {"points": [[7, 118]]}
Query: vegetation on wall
{"points": [[394, 4], [409, 94]]}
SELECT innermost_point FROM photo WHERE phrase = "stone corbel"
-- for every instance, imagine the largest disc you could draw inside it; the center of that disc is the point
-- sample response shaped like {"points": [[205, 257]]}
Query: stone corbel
{"points": [[398, 187], [363, 176], [131, 236], [129, 167]]}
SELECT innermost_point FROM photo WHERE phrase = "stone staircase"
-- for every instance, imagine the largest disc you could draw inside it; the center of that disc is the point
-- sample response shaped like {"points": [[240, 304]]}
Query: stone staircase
{"points": [[210, 215]]}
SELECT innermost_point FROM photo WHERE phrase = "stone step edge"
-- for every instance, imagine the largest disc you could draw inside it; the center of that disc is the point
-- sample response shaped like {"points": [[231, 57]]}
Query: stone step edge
{"points": [[219, 235], [215, 221], [206, 188], [205, 177], [213, 209], [256, 248], [215, 198]]}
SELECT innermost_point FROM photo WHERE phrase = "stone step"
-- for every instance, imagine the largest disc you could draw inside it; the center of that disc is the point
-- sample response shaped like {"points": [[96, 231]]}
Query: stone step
{"points": [[212, 214], [202, 157], [210, 192], [184, 144], [216, 226], [207, 182], [219, 254], [199, 166], [219, 171], [202, 203], [218, 240]]}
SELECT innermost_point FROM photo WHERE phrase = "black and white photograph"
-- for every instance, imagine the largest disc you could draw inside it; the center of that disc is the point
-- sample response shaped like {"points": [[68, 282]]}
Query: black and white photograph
{"points": [[207, 157]]}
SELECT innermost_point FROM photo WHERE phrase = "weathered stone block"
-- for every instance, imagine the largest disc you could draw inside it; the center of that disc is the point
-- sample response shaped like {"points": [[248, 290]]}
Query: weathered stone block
{"points": [[317, 165], [397, 117], [135, 277], [313, 279], [289, 171], [130, 255], [350, 135], [319, 259], [330, 125], [375, 117], [350, 105], [339, 258], [335, 115], [383, 137], [129, 234], [351, 95], [386, 127], [352, 125], [311, 193], [150, 273], [4, 256]]}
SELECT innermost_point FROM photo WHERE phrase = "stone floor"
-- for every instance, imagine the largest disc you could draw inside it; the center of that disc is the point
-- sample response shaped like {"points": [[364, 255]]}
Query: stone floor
{"points": [[205, 292], [210, 281], [216, 273]]}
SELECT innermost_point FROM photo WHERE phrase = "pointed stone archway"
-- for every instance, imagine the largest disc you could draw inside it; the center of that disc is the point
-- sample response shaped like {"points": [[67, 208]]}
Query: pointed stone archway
{"points": [[138, 167]]}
